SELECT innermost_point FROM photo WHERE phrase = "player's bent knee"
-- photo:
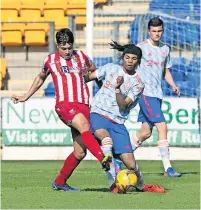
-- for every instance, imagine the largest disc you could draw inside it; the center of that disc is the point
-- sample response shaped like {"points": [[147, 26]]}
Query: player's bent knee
{"points": [[101, 133], [107, 142]]}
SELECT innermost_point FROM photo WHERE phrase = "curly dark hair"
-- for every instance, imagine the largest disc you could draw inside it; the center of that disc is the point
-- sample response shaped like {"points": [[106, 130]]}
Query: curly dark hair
{"points": [[64, 36]]}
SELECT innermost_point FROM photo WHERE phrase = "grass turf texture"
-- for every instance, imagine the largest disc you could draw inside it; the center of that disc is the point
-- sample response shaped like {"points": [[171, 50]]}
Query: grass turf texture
{"points": [[27, 185]]}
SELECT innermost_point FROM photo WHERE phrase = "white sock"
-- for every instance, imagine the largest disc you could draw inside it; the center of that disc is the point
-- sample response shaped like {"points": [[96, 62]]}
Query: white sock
{"points": [[163, 146], [166, 163], [135, 142], [107, 149]]}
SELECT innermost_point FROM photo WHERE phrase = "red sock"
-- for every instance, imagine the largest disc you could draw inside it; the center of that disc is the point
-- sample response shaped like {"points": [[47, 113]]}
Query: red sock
{"points": [[69, 166], [92, 145]]}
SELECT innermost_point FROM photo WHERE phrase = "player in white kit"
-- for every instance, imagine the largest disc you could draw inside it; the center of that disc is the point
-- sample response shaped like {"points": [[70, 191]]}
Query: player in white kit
{"points": [[155, 65], [111, 106]]}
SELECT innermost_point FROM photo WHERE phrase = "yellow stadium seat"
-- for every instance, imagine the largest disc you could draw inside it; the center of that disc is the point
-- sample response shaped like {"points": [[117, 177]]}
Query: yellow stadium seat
{"points": [[9, 2], [55, 2], [30, 14], [57, 16], [31, 8], [52, 14], [9, 15], [61, 23], [79, 19], [37, 26], [15, 4], [13, 27], [76, 11], [76, 4], [35, 37], [11, 38], [33, 3], [3, 67]]}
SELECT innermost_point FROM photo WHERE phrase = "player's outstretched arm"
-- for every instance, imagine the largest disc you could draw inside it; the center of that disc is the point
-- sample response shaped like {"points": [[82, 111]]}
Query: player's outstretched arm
{"points": [[89, 77], [37, 83], [92, 69], [169, 79]]}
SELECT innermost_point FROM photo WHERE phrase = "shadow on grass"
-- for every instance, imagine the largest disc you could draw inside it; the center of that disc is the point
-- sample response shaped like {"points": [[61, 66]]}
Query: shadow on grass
{"points": [[107, 190], [96, 190]]}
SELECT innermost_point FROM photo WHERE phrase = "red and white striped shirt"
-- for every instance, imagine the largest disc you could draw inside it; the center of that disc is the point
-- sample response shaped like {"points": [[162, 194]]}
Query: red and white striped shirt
{"points": [[67, 76]]}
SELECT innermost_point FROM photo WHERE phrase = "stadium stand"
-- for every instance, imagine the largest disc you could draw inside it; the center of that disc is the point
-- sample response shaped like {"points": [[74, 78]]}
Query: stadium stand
{"points": [[35, 33], [179, 8], [177, 74], [175, 31], [179, 33], [100, 61], [38, 11], [180, 60]]}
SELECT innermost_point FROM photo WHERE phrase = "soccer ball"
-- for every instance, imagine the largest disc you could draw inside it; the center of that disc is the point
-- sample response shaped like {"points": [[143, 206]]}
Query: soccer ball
{"points": [[126, 180]]}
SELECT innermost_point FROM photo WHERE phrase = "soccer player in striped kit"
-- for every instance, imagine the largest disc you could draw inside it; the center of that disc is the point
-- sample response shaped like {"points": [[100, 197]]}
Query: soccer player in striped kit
{"points": [[155, 65], [67, 68]]}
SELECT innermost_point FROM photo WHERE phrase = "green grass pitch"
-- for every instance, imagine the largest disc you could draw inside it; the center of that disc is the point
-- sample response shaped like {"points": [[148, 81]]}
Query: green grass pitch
{"points": [[27, 185]]}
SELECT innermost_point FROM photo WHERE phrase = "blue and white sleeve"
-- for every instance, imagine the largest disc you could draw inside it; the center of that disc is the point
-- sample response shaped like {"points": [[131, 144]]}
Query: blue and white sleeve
{"points": [[102, 71], [136, 91]]}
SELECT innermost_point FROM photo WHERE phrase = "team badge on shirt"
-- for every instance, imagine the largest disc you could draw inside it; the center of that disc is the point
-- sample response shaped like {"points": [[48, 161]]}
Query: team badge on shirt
{"points": [[65, 69]]}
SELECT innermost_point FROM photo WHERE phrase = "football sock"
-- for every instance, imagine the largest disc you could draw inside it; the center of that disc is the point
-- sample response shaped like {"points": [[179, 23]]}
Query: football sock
{"points": [[135, 142], [107, 150], [70, 164], [92, 145], [163, 146], [140, 177]]}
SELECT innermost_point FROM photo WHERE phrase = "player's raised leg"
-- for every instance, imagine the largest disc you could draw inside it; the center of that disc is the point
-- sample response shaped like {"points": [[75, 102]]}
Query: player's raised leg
{"points": [[79, 119], [82, 125]]}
